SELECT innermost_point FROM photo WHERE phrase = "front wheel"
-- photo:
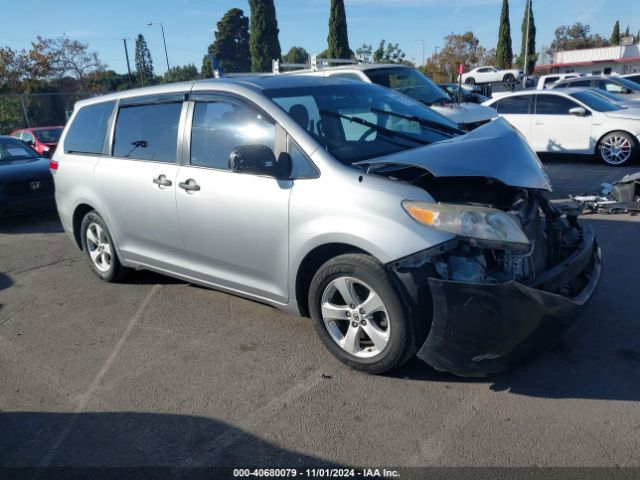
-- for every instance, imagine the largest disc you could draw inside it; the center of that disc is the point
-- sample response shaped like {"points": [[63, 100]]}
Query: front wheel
{"points": [[470, 81], [617, 149], [359, 315], [100, 249]]}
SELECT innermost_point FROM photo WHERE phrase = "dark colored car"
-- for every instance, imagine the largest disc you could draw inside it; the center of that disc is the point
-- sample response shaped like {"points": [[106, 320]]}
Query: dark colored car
{"points": [[464, 94], [43, 140], [26, 183]]}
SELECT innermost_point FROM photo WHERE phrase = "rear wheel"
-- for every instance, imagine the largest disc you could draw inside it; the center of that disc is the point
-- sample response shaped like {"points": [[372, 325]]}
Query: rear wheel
{"points": [[509, 78], [617, 149], [359, 314], [100, 249]]}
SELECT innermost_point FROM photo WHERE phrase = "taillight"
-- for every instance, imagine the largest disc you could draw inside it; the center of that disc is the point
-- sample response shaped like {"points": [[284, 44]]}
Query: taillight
{"points": [[53, 165]]}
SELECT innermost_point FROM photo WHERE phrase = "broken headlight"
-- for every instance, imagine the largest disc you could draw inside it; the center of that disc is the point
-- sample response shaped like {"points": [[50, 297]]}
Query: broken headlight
{"points": [[480, 225]]}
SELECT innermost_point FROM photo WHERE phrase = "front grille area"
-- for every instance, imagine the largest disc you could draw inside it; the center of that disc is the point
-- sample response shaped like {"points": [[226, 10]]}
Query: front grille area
{"points": [[29, 187]]}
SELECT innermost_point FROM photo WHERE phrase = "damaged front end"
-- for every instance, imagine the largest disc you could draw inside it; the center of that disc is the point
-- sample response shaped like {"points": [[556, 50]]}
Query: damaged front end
{"points": [[495, 303]]}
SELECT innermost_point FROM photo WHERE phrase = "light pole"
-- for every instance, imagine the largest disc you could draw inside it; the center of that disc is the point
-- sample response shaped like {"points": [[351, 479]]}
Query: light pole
{"points": [[422, 42], [526, 42], [164, 40]]}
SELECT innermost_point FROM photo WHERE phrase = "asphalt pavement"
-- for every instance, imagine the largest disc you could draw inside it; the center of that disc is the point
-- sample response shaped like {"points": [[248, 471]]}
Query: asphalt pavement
{"points": [[158, 372]]}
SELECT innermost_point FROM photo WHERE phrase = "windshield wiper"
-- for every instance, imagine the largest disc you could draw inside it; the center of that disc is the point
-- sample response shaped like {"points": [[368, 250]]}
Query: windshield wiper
{"points": [[376, 127], [422, 121]]}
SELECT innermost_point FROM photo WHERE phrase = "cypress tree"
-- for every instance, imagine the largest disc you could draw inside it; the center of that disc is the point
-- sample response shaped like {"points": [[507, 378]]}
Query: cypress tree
{"points": [[338, 38], [529, 63], [144, 64], [265, 45], [504, 52], [615, 35], [231, 44]]}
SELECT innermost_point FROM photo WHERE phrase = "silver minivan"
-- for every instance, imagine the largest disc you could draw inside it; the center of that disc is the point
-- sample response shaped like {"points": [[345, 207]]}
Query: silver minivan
{"points": [[396, 232]]}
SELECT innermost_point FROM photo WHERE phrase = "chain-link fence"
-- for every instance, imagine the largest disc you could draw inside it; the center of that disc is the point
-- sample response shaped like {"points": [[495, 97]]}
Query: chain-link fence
{"points": [[36, 109]]}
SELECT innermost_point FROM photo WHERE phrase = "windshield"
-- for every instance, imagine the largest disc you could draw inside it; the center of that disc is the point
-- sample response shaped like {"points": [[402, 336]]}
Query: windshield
{"points": [[49, 135], [11, 149], [628, 83], [611, 96], [362, 121], [410, 82], [595, 102]]}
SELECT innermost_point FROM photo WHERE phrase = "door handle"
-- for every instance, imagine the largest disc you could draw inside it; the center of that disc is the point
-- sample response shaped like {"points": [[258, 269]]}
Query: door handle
{"points": [[190, 185], [538, 122], [162, 181]]}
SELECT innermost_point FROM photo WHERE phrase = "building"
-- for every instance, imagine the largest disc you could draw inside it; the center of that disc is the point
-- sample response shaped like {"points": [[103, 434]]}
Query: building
{"points": [[596, 61]]}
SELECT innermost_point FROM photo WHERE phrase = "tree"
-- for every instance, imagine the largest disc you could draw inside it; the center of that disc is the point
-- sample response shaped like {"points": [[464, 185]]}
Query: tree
{"points": [[461, 49], [144, 64], [627, 32], [504, 52], [13, 68], [265, 46], [338, 38], [615, 35], [529, 41], [576, 37], [57, 57], [296, 55], [364, 53], [231, 45], [388, 53], [182, 74]]}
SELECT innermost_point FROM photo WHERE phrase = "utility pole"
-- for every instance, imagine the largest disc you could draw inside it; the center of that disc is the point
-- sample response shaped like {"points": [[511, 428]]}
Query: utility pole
{"points": [[423, 57], [164, 40], [526, 43], [126, 54]]}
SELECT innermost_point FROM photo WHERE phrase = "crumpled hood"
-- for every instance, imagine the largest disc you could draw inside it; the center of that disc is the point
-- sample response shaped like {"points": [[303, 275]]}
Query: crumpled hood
{"points": [[496, 150], [466, 112]]}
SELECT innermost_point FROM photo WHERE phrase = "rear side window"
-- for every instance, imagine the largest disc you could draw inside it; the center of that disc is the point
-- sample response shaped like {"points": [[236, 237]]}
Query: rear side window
{"points": [[514, 105], [148, 132], [86, 133]]}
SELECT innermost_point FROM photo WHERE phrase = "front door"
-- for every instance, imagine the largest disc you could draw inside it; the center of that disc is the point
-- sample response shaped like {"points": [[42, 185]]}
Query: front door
{"points": [[554, 129], [235, 226]]}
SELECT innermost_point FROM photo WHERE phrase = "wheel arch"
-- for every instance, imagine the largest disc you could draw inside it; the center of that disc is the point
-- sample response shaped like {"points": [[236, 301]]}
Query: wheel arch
{"points": [[78, 214], [633, 137], [310, 264]]}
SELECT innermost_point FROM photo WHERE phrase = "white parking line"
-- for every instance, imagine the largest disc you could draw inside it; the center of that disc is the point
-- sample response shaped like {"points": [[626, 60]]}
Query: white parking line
{"points": [[82, 400]]}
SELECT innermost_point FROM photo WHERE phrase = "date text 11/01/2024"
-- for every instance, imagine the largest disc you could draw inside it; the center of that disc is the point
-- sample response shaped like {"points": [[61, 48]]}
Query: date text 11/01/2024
{"points": [[316, 472]]}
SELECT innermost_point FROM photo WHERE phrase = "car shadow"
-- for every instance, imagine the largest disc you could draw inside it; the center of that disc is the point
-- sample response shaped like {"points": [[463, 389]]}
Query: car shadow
{"points": [[149, 445], [5, 282], [600, 357], [41, 222]]}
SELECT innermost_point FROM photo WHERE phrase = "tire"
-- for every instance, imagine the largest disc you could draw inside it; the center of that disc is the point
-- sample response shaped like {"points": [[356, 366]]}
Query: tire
{"points": [[617, 149], [509, 78], [100, 249], [347, 329], [470, 81]]}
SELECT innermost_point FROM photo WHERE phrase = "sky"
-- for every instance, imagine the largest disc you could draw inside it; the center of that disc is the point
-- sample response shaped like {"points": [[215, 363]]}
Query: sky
{"points": [[190, 24]]}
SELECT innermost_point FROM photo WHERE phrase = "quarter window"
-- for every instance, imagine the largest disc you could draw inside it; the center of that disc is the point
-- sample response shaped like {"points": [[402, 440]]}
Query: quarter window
{"points": [[518, 105], [220, 126], [148, 132], [87, 132], [553, 105], [301, 165]]}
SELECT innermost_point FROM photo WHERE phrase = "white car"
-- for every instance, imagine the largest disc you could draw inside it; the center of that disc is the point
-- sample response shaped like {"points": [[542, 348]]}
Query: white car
{"points": [[491, 75], [411, 82], [545, 81], [573, 120]]}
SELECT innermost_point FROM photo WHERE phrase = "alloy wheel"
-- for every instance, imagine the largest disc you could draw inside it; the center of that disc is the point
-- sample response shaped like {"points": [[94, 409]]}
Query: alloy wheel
{"points": [[616, 149], [355, 316], [98, 247]]}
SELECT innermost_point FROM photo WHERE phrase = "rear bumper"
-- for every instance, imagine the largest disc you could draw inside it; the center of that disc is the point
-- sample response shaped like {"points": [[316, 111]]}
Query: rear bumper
{"points": [[484, 329]]}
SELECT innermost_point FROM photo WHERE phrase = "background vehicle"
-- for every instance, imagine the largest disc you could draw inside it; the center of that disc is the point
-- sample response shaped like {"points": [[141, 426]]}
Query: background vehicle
{"points": [[26, 184], [491, 75], [545, 81], [634, 77], [617, 85], [336, 199], [573, 121], [411, 82], [617, 99], [43, 140], [464, 94]]}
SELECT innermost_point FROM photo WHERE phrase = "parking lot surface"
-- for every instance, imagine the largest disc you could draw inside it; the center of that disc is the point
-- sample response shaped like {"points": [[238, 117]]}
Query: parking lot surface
{"points": [[155, 371]]}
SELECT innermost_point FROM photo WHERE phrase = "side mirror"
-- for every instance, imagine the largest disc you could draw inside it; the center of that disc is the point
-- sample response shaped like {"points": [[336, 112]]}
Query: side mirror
{"points": [[578, 111], [259, 160], [31, 143]]}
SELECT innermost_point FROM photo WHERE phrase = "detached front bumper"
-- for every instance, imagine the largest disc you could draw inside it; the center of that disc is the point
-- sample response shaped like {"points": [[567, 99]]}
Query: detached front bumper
{"points": [[484, 329]]}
